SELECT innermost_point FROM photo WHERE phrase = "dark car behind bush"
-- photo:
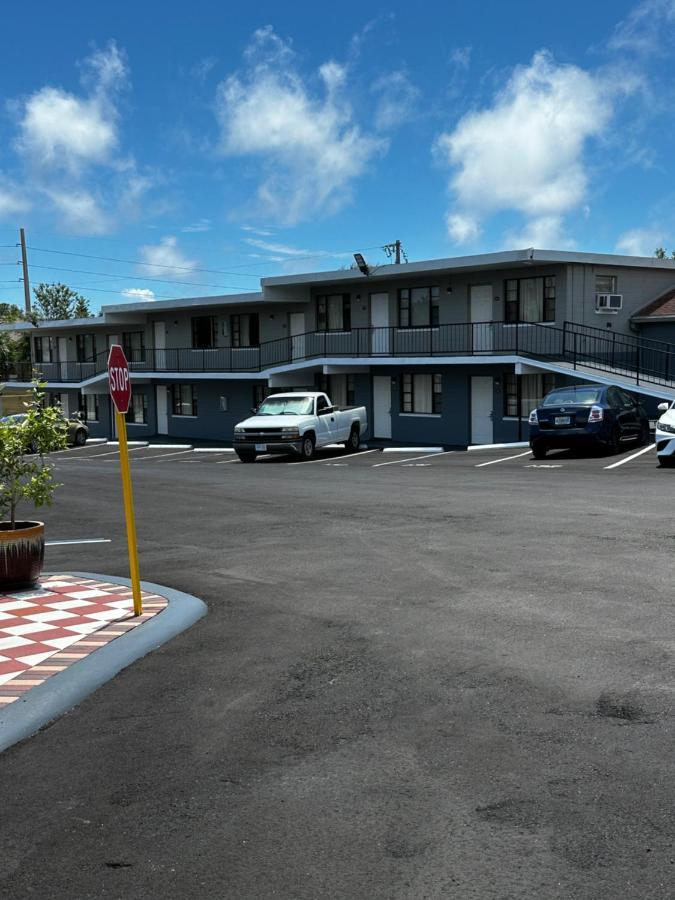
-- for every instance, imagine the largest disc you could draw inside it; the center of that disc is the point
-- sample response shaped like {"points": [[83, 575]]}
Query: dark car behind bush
{"points": [[587, 415]]}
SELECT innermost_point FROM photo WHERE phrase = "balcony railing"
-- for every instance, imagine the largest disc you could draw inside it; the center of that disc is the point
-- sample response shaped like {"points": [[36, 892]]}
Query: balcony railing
{"points": [[641, 360]]}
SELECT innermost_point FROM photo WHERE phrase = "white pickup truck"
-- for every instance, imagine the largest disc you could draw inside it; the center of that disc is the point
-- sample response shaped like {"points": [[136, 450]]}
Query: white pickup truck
{"points": [[299, 423]]}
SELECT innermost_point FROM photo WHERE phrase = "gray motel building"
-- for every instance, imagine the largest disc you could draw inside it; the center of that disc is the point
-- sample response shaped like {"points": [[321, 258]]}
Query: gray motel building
{"points": [[449, 352]]}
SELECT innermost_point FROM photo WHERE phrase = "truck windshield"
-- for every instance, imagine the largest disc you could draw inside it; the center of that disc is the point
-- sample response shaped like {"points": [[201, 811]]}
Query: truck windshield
{"points": [[286, 406]]}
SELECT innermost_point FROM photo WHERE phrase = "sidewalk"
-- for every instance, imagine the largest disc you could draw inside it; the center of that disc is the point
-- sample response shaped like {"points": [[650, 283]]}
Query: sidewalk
{"points": [[63, 639], [44, 631]]}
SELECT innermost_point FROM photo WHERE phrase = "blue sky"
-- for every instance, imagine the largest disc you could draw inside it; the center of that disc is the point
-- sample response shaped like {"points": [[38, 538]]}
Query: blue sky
{"points": [[207, 147]]}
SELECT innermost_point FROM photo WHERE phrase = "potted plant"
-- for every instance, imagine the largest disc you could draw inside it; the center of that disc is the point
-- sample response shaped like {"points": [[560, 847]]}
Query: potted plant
{"points": [[26, 474]]}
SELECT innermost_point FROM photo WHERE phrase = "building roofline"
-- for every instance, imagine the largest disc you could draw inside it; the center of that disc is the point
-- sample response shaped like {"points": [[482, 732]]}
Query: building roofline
{"points": [[184, 302], [526, 257]]}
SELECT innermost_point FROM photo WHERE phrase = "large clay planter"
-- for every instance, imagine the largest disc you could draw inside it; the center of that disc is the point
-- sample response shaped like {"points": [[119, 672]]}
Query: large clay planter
{"points": [[22, 552]]}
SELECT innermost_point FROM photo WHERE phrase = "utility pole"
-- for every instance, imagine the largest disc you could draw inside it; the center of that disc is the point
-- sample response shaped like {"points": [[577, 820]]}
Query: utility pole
{"points": [[24, 261], [395, 251]]}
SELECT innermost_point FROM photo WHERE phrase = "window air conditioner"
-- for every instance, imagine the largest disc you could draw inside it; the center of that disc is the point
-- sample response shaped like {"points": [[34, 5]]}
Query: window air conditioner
{"points": [[609, 303]]}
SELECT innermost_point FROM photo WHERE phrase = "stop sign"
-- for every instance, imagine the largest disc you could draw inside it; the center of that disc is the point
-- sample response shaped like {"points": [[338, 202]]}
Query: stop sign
{"points": [[118, 378]]}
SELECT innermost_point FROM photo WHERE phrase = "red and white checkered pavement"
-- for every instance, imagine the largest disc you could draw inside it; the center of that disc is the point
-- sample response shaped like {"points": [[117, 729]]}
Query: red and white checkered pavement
{"points": [[65, 618]]}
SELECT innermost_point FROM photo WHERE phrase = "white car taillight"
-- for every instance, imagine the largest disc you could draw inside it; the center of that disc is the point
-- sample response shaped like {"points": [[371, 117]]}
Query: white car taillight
{"points": [[533, 420], [596, 414]]}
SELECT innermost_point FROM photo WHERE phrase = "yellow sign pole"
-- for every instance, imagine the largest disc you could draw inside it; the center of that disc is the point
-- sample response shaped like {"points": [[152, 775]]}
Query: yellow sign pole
{"points": [[129, 512]]}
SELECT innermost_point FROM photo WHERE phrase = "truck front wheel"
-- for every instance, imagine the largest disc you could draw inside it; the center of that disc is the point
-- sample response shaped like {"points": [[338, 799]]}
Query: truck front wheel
{"points": [[308, 447], [354, 441], [246, 456]]}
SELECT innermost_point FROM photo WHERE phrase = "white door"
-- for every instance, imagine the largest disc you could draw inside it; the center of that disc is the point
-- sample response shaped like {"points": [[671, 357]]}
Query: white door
{"points": [[381, 406], [379, 321], [481, 409], [162, 393], [159, 362], [297, 330], [481, 312]]}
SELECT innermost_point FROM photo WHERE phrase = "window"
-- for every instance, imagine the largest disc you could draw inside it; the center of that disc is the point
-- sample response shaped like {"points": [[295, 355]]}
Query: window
{"points": [[605, 284], [137, 414], [133, 344], [333, 312], [533, 388], [340, 388], [86, 347], [89, 407], [183, 400], [46, 350], [203, 332], [418, 307], [529, 299], [54, 400], [245, 330], [422, 393]]}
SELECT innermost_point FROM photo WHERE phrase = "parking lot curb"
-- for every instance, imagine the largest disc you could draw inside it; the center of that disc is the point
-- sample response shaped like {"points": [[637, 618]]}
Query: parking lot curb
{"points": [[60, 693]]}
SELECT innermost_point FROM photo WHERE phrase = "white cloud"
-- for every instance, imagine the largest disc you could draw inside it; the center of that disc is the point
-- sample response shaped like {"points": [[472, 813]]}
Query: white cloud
{"points": [[398, 98], [289, 252], [139, 293], [545, 232], [61, 130], [79, 211], [461, 57], [165, 256], [525, 151], [640, 241], [643, 30], [462, 228], [259, 231], [12, 201], [203, 67], [196, 227], [311, 149]]}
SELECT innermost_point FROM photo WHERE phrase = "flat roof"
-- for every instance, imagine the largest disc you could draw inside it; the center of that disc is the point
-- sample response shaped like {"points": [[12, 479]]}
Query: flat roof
{"points": [[527, 257]]}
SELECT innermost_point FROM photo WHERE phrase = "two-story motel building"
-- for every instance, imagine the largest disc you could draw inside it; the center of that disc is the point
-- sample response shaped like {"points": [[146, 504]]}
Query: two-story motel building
{"points": [[452, 351]]}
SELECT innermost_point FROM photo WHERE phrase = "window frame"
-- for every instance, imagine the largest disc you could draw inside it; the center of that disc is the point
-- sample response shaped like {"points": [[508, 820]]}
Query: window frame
{"points": [[211, 325], [235, 330], [83, 407], [81, 341], [613, 279], [510, 393], [327, 385], [323, 317], [513, 300], [177, 401], [52, 345], [408, 397], [404, 306], [131, 412], [130, 350]]}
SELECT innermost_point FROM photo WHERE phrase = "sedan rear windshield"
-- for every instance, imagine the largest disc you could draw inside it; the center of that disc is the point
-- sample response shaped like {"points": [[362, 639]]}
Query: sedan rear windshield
{"points": [[573, 397], [286, 406]]}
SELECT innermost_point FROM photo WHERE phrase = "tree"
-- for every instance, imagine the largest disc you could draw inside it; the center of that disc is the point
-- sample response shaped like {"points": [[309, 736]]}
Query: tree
{"points": [[58, 301], [24, 472], [14, 345], [662, 253]]}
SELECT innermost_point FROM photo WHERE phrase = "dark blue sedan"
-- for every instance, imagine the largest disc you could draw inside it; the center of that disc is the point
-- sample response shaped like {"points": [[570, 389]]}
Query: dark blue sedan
{"points": [[590, 415]]}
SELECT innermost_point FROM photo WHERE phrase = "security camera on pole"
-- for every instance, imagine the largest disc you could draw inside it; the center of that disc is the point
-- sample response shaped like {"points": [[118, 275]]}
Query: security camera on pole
{"points": [[120, 391]]}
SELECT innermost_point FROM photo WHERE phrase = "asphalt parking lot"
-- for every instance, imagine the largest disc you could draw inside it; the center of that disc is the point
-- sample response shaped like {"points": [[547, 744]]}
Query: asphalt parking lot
{"points": [[422, 675]]}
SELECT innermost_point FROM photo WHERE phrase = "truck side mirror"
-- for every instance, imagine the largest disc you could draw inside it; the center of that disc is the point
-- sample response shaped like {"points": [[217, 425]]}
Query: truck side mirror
{"points": [[254, 409]]}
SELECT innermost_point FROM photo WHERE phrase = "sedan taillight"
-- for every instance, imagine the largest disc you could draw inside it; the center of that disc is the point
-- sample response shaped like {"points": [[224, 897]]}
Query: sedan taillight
{"points": [[596, 414], [533, 420]]}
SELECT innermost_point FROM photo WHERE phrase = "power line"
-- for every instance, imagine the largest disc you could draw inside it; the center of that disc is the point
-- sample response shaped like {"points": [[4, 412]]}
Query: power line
{"points": [[229, 287], [138, 262]]}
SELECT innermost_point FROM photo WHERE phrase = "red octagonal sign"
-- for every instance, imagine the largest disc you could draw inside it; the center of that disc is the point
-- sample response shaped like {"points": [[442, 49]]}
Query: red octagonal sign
{"points": [[118, 378]]}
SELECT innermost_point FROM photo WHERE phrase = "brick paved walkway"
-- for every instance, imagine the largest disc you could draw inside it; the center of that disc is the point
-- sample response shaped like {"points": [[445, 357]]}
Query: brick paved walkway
{"points": [[45, 630]]}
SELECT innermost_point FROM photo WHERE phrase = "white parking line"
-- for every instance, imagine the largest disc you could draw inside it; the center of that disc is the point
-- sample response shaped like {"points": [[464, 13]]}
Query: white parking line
{"points": [[83, 541], [632, 456], [503, 459], [165, 455], [323, 459], [398, 462], [101, 455]]}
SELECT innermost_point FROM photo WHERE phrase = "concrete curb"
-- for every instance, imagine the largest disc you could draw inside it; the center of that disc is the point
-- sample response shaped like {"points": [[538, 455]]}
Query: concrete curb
{"points": [[46, 702]]}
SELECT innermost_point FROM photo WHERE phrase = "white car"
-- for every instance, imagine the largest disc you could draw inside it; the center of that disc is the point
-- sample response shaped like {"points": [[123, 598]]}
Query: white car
{"points": [[665, 435]]}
